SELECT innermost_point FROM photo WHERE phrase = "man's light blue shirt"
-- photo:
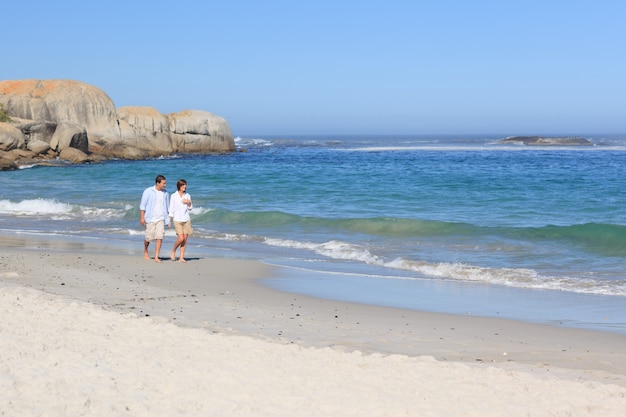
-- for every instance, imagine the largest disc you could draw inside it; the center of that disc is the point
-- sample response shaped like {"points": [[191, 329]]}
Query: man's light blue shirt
{"points": [[148, 198]]}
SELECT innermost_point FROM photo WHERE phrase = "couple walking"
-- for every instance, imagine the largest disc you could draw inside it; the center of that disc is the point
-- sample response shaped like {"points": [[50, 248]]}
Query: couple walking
{"points": [[157, 209]]}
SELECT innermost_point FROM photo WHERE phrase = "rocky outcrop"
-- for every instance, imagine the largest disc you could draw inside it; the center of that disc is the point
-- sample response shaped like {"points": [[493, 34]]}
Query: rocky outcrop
{"points": [[48, 117], [59, 101], [8, 158], [70, 135], [547, 141], [145, 130], [190, 131], [37, 131], [10, 137], [73, 155], [7, 164], [38, 147], [197, 131]]}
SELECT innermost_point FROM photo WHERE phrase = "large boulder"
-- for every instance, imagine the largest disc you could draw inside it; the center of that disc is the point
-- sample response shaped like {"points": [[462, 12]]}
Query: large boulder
{"points": [[7, 161], [73, 155], [144, 118], [146, 129], [38, 147], [11, 137], [7, 164], [191, 131], [39, 130], [61, 101], [69, 135], [57, 136], [200, 131], [121, 151], [19, 155]]}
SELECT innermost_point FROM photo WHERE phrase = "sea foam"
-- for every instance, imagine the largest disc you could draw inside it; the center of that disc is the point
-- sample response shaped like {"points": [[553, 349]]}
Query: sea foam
{"points": [[36, 206], [56, 210]]}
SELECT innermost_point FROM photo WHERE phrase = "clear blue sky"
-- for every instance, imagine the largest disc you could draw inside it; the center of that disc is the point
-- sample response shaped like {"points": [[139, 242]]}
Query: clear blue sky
{"points": [[325, 67]]}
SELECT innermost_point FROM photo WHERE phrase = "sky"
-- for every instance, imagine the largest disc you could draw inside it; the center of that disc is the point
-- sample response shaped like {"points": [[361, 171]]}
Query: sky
{"points": [[339, 67]]}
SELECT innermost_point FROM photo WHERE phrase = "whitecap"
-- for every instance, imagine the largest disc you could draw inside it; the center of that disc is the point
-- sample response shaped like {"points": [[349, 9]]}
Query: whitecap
{"points": [[36, 206]]}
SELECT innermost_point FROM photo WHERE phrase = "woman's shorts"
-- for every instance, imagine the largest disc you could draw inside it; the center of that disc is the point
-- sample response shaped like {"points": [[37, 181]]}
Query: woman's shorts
{"points": [[183, 228], [155, 230]]}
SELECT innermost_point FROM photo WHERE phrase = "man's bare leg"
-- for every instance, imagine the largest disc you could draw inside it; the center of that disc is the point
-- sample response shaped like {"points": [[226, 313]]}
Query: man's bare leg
{"points": [[158, 244], [146, 255]]}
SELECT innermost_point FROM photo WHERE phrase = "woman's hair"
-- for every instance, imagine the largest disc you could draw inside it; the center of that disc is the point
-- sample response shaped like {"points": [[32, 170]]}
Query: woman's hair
{"points": [[180, 183]]}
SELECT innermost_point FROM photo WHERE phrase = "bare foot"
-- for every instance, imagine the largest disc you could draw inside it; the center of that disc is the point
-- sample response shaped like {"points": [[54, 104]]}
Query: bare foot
{"points": [[146, 255], [157, 260], [182, 260], [173, 256]]}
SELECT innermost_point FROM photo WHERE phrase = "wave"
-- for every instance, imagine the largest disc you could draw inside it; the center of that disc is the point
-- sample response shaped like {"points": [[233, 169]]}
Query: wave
{"points": [[56, 210], [456, 271], [602, 238], [34, 207], [266, 227], [383, 226], [333, 249], [608, 238], [251, 142], [249, 219], [511, 277]]}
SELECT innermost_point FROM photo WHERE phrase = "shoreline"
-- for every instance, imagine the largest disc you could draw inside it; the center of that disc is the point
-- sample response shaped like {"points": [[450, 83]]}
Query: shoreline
{"points": [[225, 297], [231, 287], [541, 306]]}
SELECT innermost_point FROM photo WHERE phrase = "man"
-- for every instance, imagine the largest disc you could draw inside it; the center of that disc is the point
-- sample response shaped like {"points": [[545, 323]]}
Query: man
{"points": [[153, 209]]}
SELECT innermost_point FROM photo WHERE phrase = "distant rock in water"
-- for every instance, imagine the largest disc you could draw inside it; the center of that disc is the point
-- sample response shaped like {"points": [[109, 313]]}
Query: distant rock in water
{"points": [[546, 141]]}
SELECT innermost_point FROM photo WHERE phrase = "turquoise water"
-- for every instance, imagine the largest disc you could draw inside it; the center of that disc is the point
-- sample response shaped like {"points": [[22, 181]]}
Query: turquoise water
{"points": [[480, 227]]}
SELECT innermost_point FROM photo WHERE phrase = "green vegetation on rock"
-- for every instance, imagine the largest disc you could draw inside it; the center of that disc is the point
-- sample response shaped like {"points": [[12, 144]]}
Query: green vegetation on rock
{"points": [[4, 117]]}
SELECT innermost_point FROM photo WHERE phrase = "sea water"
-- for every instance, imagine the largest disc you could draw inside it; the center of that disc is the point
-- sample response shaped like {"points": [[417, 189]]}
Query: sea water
{"points": [[457, 224]]}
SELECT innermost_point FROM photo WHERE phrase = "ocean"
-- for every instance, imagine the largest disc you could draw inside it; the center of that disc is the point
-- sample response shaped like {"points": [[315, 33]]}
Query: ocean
{"points": [[454, 224]]}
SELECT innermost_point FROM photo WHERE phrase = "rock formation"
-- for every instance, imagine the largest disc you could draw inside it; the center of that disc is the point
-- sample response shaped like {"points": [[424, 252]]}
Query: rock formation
{"points": [[190, 128], [44, 118], [547, 141], [58, 101], [144, 129], [11, 137], [190, 131]]}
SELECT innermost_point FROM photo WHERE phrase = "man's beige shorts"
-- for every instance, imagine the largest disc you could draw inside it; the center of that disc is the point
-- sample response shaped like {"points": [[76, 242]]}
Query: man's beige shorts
{"points": [[155, 230], [182, 228]]}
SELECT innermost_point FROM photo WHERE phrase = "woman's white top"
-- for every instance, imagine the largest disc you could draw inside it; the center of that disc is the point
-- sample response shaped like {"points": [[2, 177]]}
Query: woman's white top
{"points": [[178, 210]]}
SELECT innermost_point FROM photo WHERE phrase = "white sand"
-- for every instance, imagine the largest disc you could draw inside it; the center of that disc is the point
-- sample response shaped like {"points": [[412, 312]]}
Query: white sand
{"points": [[78, 342]]}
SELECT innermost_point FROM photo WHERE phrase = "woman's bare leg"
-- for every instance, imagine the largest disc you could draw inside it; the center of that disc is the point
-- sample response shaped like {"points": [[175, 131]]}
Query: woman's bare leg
{"points": [[183, 246], [177, 244]]}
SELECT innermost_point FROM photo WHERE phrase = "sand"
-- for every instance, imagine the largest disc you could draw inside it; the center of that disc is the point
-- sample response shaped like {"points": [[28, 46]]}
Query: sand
{"points": [[87, 329]]}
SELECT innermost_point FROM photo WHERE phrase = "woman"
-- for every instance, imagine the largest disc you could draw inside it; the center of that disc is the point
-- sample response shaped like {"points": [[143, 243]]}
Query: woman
{"points": [[180, 206]]}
